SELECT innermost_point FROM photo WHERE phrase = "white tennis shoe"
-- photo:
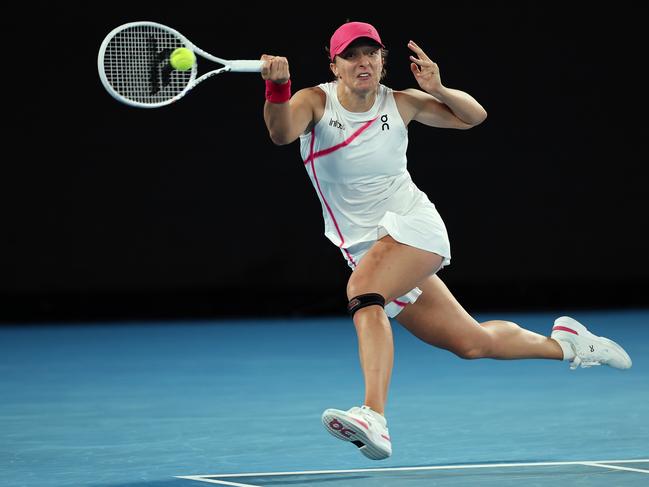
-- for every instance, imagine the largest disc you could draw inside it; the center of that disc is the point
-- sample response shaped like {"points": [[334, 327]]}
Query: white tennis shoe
{"points": [[362, 427], [589, 349]]}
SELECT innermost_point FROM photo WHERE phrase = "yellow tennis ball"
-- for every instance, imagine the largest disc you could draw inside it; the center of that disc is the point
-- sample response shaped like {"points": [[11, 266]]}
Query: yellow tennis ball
{"points": [[182, 59]]}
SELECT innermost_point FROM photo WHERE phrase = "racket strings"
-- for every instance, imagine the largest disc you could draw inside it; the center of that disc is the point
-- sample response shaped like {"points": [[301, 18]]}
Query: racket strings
{"points": [[136, 65]]}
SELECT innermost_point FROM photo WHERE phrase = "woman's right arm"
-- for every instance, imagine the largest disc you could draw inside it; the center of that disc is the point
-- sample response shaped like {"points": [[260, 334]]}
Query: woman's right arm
{"points": [[286, 121]]}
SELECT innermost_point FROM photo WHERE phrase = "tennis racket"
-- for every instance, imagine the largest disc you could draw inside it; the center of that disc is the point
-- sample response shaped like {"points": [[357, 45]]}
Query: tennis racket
{"points": [[134, 65]]}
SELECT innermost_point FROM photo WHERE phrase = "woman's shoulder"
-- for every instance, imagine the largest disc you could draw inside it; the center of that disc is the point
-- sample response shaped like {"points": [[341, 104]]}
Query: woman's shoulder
{"points": [[314, 93], [408, 93], [312, 98], [407, 102], [410, 96], [400, 96]]}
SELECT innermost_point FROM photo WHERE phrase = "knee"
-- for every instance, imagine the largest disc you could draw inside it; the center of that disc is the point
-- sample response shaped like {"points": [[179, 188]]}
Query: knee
{"points": [[470, 353], [470, 350], [370, 318], [359, 284]]}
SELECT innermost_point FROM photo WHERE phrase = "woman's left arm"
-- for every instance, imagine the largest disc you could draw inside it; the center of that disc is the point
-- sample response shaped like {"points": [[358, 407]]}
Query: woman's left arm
{"points": [[439, 106]]}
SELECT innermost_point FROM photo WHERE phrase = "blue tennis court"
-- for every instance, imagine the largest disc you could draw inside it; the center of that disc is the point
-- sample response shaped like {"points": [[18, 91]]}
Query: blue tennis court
{"points": [[171, 404]]}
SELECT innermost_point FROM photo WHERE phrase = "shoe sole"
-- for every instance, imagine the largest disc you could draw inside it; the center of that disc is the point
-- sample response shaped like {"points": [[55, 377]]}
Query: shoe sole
{"points": [[580, 330], [347, 429]]}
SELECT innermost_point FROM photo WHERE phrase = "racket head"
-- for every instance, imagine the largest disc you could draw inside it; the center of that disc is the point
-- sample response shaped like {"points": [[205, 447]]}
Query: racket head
{"points": [[133, 64]]}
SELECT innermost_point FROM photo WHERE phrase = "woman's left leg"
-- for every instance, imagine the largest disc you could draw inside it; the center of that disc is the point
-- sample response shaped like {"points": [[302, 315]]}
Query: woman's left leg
{"points": [[439, 319]]}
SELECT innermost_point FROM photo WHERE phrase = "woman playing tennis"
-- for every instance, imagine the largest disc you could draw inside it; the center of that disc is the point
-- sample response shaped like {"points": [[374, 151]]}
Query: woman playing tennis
{"points": [[353, 134]]}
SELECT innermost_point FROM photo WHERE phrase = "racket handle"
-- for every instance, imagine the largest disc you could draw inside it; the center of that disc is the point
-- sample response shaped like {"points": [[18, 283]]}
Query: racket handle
{"points": [[246, 66]]}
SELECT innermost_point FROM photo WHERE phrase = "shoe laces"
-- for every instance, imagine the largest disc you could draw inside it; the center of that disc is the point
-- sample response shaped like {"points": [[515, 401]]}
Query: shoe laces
{"points": [[366, 413]]}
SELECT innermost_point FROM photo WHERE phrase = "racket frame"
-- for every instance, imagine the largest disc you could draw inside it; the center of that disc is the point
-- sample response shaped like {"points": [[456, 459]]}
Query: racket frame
{"points": [[237, 65]]}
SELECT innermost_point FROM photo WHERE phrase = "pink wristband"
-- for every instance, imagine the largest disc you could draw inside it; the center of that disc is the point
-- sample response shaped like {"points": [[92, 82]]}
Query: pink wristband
{"points": [[278, 93]]}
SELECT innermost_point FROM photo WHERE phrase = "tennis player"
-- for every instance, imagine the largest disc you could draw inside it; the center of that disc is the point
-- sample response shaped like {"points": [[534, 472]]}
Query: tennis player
{"points": [[353, 134]]}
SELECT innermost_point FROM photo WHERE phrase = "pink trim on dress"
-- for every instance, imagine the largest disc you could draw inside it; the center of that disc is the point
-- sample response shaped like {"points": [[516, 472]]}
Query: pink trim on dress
{"points": [[334, 148], [324, 152]]}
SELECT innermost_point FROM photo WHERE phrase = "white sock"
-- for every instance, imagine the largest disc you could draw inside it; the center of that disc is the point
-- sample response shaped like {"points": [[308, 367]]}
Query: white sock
{"points": [[568, 352]]}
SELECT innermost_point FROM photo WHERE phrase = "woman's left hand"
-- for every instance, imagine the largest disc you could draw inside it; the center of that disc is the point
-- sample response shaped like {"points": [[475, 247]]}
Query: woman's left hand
{"points": [[425, 70]]}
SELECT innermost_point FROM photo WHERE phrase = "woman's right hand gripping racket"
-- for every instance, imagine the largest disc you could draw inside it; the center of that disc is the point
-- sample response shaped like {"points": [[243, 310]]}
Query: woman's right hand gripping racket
{"points": [[134, 65]]}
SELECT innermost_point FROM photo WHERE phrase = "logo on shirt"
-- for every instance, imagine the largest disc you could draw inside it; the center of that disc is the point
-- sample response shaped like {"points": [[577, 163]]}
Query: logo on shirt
{"points": [[337, 124], [384, 119]]}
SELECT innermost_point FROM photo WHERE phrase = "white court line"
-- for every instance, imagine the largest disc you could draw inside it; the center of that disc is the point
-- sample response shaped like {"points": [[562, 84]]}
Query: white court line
{"points": [[617, 467], [592, 463], [219, 482]]}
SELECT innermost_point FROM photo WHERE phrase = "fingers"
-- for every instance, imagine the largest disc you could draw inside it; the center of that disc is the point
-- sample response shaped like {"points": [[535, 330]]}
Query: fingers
{"points": [[421, 62], [275, 68], [421, 59]]}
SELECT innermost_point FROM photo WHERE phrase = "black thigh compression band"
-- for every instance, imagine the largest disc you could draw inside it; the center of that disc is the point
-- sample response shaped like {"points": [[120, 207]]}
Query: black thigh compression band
{"points": [[364, 300]]}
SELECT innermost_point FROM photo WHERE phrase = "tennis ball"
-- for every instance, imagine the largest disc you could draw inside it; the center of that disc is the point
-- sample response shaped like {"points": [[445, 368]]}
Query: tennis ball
{"points": [[182, 59]]}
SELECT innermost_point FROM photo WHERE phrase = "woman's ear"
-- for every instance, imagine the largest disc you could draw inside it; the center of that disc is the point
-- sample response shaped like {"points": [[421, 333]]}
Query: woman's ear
{"points": [[334, 69]]}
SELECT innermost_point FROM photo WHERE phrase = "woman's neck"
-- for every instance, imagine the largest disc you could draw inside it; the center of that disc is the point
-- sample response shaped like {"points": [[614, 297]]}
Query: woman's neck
{"points": [[355, 101]]}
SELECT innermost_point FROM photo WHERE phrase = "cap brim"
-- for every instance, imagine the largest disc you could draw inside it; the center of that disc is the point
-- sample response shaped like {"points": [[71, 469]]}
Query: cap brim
{"points": [[346, 44]]}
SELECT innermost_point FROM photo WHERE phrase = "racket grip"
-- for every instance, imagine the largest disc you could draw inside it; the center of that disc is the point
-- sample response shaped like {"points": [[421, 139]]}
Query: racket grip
{"points": [[246, 66]]}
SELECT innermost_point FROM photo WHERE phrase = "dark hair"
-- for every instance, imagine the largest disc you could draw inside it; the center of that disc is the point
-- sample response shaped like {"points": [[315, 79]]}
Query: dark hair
{"points": [[364, 40]]}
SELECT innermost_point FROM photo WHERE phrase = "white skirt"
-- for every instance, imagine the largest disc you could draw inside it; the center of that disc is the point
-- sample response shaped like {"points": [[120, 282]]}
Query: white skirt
{"points": [[421, 227]]}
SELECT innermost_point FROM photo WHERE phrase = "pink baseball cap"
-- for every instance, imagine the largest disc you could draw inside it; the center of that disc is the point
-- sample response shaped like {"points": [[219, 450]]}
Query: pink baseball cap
{"points": [[349, 32]]}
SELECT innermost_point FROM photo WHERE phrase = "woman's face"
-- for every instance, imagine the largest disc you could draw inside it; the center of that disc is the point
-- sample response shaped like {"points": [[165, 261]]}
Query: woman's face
{"points": [[359, 67]]}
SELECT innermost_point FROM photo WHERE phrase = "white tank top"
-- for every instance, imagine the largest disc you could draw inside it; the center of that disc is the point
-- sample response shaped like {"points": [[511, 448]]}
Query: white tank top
{"points": [[357, 164]]}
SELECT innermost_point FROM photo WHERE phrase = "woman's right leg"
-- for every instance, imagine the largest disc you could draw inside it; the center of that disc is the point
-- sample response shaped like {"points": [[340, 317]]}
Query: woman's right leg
{"points": [[390, 269]]}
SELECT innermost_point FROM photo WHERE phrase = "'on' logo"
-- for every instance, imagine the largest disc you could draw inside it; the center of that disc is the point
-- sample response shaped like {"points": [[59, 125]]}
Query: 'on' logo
{"points": [[384, 119]]}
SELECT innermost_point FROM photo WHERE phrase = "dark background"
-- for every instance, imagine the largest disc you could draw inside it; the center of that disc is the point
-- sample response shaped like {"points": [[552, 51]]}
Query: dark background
{"points": [[114, 212]]}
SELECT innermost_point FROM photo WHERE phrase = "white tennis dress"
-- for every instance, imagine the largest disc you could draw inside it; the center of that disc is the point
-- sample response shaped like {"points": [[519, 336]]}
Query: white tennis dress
{"points": [[357, 164]]}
